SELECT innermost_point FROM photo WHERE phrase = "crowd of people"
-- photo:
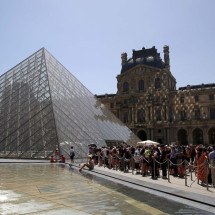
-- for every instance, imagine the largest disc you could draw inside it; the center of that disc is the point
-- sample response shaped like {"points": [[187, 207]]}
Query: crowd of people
{"points": [[157, 160], [152, 160]]}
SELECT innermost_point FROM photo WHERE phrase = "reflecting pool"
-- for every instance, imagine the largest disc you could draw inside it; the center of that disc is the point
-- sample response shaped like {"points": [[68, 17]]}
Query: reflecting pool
{"points": [[56, 189]]}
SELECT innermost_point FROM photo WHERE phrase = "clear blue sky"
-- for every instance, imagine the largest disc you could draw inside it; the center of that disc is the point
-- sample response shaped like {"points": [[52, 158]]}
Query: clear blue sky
{"points": [[88, 36]]}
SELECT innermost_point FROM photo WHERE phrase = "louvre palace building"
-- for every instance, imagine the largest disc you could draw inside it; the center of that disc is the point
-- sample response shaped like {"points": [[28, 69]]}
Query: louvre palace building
{"points": [[148, 102], [43, 107]]}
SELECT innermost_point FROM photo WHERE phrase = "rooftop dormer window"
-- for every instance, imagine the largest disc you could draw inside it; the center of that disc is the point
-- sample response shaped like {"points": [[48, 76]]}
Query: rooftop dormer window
{"points": [[125, 87]]}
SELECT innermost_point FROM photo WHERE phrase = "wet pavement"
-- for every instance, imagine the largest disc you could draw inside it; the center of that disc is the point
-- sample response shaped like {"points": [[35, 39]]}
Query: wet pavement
{"points": [[176, 187], [44, 188]]}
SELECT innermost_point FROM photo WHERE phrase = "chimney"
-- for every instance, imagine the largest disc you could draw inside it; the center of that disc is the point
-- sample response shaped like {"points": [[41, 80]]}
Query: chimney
{"points": [[166, 56], [124, 58]]}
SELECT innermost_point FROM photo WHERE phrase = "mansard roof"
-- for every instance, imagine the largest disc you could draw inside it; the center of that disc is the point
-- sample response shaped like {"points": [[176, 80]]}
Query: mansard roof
{"points": [[199, 86], [144, 56]]}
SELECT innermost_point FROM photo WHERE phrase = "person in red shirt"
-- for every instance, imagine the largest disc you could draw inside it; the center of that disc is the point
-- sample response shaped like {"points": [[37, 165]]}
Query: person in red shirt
{"points": [[52, 159], [62, 159]]}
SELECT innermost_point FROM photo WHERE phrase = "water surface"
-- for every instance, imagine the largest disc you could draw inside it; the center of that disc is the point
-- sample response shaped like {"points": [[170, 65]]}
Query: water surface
{"points": [[56, 189]]}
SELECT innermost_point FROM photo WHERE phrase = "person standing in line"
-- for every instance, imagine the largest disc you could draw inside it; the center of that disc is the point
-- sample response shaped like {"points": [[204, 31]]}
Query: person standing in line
{"points": [[72, 154], [163, 160], [104, 156], [212, 163], [173, 160], [201, 158], [137, 159]]}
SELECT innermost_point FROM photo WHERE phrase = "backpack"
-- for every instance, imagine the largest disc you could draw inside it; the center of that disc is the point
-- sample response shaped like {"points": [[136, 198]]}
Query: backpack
{"points": [[72, 153]]}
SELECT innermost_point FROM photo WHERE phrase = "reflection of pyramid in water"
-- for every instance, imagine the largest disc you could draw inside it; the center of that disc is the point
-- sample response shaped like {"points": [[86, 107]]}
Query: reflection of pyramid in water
{"points": [[43, 106]]}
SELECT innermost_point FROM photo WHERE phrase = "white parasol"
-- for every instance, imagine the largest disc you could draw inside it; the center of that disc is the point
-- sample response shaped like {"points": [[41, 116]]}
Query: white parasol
{"points": [[147, 143]]}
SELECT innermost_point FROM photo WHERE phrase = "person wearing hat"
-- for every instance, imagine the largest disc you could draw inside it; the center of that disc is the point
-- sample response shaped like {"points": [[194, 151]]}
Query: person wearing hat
{"points": [[90, 164]]}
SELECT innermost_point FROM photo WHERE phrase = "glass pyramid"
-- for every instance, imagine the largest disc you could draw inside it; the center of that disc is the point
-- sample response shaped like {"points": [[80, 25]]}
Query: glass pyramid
{"points": [[44, 107]]}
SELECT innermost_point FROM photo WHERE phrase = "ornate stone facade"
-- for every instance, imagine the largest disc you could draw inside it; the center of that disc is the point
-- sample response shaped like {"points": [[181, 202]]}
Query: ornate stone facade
{"points": [[148, 102]]}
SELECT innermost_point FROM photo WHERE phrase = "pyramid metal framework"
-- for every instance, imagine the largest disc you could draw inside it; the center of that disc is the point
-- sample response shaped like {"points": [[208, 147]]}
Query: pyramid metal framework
{"points": [[44, 107]]}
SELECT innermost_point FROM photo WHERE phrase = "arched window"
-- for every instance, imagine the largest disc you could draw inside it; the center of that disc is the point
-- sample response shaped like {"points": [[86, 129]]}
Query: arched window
{"points": [[182, 137], [142, 135], [141, 85], [125, 87], [211, 134], [197, 136], [157, 83], [141, 116]]}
